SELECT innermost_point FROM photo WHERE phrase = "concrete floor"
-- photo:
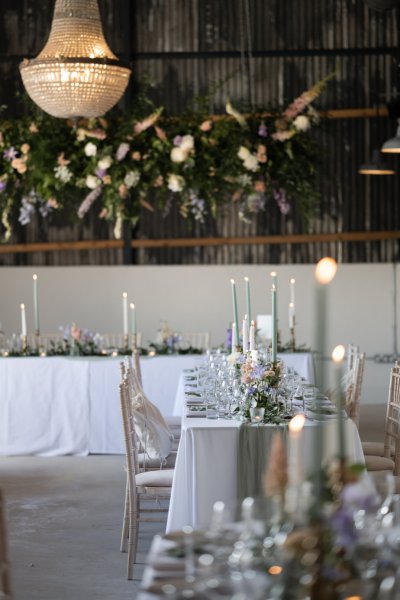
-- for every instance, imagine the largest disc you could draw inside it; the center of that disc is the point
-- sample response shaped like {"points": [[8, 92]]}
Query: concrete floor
{"points": [[64, 526]]}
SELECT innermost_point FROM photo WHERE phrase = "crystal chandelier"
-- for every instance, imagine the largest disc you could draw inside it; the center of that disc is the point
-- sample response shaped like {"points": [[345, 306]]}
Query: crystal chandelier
{"points": [[76, 74]]}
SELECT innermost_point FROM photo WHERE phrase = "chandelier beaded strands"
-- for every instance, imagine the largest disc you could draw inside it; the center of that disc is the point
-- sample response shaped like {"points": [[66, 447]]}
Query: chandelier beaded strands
{"points": [[76, 74]]}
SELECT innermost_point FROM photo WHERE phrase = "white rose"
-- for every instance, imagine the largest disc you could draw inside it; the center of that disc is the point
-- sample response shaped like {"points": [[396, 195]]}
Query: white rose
{"points": [[90, 149], [175, 183], [251, 163], [243, 152], [178, 155], [92, 182], [302, 123], [105, 163], [187, 143], [131, 179]]}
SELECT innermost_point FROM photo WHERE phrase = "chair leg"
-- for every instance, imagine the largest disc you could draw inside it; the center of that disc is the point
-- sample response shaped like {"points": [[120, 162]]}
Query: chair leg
{"points": [[132, 536], [124, 533], [137, 522]]}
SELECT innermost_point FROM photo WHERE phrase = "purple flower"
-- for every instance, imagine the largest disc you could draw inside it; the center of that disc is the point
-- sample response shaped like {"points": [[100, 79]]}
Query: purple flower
{"points": [[10, 153], [26, 211], [198, 207], [88, 201], [262, 130], [101, 173], [177, 140], [122, 151], [45, 208], [229, 338], [343, 524], [258, 371], [281, 200], [3, 186]]}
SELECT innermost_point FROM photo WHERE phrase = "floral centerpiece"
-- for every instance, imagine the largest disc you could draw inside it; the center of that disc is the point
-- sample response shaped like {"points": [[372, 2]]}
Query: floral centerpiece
{"points": [[260, 380], [329, 533]]}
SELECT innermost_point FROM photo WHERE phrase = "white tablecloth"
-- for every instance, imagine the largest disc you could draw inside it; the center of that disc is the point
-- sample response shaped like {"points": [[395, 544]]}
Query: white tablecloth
{"points": [[206, 465], [64, 405]]}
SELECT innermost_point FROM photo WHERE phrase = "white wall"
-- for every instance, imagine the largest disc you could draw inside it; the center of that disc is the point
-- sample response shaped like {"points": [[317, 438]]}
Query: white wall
{"points": [[198, 298]]}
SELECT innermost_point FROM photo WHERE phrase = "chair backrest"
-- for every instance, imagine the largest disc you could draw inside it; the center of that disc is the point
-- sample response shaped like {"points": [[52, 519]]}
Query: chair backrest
{"points": [[5, 578], [392, 430], [354, 386], [116, 340], [152, 430], [200, 341], [352, 352], [132, 461]]}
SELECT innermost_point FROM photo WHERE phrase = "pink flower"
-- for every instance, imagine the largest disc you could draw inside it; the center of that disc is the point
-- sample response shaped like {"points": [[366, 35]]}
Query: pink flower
{"points": [[148, 122], [259, 186], [160, 134], [75, 332], [282, 136], [206, 125]]}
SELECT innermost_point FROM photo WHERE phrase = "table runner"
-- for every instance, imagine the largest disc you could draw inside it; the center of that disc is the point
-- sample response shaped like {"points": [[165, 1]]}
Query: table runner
{"points": [[253, 451]]}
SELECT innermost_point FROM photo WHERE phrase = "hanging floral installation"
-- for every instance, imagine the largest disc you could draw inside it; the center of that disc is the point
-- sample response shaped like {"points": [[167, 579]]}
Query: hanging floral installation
{"points": [[116, 165]]}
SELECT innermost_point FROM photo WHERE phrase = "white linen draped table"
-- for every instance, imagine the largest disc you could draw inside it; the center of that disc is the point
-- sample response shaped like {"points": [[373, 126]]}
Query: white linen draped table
{"points": [[301, 362], [52, 406], [206, 464]]}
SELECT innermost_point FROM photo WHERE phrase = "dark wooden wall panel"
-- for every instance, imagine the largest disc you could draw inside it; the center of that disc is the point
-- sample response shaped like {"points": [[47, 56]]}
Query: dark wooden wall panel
{"points": [[188, 46]]}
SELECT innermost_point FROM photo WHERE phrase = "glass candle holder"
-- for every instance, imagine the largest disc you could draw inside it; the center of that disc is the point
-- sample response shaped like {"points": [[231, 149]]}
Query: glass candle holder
{"points": [[257, 414]]}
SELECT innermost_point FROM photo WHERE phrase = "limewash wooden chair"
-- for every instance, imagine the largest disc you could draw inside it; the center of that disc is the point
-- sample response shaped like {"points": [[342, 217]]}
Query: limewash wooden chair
{"points": [[5, 576], [153, 485], [387, 453]]}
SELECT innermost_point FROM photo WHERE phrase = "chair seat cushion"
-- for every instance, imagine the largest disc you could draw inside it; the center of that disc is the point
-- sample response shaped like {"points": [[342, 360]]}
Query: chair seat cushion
{"points": [[373, 448], [174, 422], [379, 463], [159, 478], [154, 463]]}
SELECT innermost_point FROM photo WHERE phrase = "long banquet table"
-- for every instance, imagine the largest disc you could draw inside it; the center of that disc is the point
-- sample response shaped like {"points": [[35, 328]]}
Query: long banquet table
{"points": [[206, 464], [65, 405], [60, 405]]}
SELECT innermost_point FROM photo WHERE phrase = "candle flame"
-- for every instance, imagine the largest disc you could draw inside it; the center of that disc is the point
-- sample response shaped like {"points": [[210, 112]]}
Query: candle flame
{"points": [[275, 570], [292, 280], [273, 273], [132, 306], [338, 353], [22, 306], [325, 270], [124, 295], [246, 278], [35, 277], [297, 423], [291, 304], [232, 281]]}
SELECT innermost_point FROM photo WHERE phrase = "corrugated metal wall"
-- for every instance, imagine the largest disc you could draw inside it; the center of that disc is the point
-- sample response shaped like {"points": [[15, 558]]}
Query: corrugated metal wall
{"points": [[188, 46]]}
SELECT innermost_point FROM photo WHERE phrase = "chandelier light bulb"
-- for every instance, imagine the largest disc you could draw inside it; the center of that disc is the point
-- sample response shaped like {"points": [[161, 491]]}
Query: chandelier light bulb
{"points": [[76, 74]]}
